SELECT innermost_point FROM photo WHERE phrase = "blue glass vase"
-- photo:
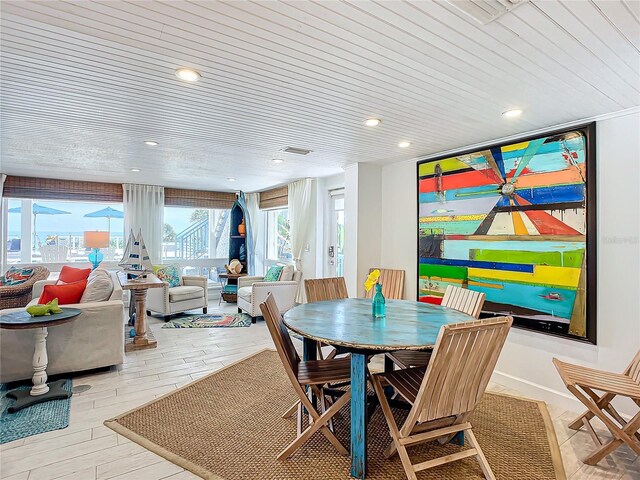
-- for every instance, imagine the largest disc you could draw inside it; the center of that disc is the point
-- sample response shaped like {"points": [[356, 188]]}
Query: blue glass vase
{"points": [[378, 307]]}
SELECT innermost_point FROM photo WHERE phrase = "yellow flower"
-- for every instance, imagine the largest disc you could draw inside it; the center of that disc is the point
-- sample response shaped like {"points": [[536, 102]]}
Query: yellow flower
{"points": [[372, 279]]}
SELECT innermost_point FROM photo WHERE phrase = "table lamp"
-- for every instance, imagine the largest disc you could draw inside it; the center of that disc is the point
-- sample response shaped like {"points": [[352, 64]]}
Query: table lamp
{"points": [[96, 240]]}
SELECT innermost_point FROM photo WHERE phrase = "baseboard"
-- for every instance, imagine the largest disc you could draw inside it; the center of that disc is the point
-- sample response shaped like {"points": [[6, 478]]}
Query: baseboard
{"points": [[538, 392]]}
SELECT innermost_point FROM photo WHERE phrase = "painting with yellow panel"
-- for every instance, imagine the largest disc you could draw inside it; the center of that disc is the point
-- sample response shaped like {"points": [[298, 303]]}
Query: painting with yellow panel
{"points": [[513, 221]]}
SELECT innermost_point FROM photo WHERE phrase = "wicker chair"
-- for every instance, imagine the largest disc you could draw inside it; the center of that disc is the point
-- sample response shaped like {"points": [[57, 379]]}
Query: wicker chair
{"points": [[16, 296]]}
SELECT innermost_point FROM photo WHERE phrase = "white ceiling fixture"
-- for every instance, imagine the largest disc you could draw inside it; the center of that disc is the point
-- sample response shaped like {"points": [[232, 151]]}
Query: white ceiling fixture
{"points": [[513, 113], [231, 179], [135, 169], [372, 122], [151, 143], [297, 151], [486, 11], [404, 144], [188, 74], [277, 160]]}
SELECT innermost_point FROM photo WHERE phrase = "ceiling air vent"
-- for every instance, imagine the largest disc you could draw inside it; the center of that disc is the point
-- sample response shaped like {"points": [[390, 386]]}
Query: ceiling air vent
{"points": [[297, 151], [486, 11]]}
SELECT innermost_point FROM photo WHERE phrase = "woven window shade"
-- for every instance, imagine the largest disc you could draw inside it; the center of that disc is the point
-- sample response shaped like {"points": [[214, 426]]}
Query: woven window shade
{"points": [[177, 197], [52, 189], [274, 198]]}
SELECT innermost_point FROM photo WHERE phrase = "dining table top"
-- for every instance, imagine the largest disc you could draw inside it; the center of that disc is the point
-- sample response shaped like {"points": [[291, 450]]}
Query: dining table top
{"points": [[349, 323]]}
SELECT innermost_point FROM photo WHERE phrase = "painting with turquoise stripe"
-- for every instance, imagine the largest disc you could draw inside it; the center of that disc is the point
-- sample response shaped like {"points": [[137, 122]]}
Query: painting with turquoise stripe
{"points": [[515, 221]]}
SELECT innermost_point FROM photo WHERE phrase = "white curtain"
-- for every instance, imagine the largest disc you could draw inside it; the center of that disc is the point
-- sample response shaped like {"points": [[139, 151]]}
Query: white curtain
{"points": [[3, 236], [301, 221], [252, 201], [144, 210]]}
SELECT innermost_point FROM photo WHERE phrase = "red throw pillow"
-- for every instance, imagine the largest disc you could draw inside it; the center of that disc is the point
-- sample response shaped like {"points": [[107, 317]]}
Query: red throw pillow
{"points": [[70, 274], [67, 294], [433, 300]]}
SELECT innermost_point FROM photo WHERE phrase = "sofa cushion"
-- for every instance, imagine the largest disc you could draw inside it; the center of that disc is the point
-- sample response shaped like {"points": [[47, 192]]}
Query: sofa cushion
{"points": [[99, 287], [70, 274], [168, 273], [287, 273], [184, 292], [16, 276], [245, 294], [67, 294]]}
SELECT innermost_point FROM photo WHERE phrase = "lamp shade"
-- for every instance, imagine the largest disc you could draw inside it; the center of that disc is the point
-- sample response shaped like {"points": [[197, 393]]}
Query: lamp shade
{"points": [[95, 239]]}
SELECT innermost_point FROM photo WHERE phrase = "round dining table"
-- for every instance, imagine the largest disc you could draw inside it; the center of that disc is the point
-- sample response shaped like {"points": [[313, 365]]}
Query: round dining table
{"points": [[349, 325]]}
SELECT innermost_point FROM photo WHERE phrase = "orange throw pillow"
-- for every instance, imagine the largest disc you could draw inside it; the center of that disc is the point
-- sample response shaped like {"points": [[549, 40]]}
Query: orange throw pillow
{"points": [[67, 294], [70, 274]]}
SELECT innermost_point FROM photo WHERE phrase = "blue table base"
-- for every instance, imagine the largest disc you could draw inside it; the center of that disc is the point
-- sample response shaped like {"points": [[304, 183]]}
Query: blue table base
{"points": [[359, 414]]}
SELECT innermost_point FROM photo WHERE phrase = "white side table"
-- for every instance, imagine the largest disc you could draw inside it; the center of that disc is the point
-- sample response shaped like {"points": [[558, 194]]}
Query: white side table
{"points": [[41, 391]]}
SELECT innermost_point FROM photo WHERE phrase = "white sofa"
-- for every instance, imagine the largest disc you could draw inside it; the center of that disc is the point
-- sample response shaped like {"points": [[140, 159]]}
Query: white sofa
{"points": [[94, 339], [252, 291], [190, 294]]}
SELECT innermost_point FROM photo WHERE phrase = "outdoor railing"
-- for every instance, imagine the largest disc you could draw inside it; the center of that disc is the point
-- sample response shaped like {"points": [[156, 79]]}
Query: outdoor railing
{"points": [[193, 242]]}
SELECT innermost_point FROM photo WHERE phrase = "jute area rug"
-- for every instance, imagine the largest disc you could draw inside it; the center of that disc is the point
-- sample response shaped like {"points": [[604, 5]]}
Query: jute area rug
{"points": [[228, 426]]}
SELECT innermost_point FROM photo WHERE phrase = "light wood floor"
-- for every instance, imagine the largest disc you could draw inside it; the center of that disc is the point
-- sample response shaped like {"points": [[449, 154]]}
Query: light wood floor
{"points": [[87, 450]]}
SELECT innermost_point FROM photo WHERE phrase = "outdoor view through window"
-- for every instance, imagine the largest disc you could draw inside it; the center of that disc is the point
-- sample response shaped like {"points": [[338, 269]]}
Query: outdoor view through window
{"points": [[55, 230]]}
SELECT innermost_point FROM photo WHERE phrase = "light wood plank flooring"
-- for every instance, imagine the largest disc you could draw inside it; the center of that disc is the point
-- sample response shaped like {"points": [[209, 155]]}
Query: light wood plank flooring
{"points": [[87, 450]]}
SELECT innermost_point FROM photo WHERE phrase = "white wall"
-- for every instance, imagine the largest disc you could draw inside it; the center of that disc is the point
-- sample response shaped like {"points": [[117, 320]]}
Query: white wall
{"points": [[363, 230], [525, 363]]}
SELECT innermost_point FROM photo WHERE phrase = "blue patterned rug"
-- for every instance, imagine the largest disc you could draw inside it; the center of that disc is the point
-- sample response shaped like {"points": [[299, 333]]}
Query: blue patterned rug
{"points": [[210, 321], [38, 418]]}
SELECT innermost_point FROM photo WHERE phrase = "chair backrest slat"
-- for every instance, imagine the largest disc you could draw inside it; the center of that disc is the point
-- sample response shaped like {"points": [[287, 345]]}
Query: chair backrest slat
{"points": [[280, 334], [392, 284], [460, 368], [633, 370], [463, 300], [321, 289]]}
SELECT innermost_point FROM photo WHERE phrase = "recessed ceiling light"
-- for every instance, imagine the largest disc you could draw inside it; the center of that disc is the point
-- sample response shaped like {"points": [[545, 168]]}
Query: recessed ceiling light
{"points": [[151, 143], [188, 74], [231, 179], [372, 122], [135, 169], [277, 160], [404, 144], [516, 112]]}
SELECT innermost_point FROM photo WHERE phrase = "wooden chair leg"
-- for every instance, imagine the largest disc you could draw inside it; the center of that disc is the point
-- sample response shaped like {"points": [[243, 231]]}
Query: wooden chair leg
{"points": [[393, 430], [319, 423], [299, 419], [323, 407], [482, 460], [601, 402], [620, 436], [291, 410]]}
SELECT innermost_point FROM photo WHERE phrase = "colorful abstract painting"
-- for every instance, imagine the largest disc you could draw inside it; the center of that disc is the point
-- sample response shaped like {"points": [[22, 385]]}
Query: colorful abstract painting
{"points": [[512, 221]]}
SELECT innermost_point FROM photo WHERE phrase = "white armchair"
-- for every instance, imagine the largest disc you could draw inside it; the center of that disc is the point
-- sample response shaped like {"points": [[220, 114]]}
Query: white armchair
{"points": [[252, 291], [190, 294]]}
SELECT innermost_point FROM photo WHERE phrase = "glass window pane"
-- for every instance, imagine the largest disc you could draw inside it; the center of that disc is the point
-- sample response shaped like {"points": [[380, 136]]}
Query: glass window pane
{"points": [[53, 231], [278, 235], [192, 233], [14, 233]]}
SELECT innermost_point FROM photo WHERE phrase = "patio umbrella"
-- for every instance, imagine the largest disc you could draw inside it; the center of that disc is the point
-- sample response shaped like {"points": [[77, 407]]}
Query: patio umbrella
{"points": [[39, 210], [107, 213]]}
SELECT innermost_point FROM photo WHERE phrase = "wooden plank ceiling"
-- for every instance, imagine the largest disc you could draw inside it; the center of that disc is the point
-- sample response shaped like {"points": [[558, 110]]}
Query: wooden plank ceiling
{"points": [[84, 83]]}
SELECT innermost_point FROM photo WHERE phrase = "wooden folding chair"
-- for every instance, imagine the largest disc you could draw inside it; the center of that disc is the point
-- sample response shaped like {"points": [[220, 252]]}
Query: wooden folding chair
{"points": [[444, 394], [458, 298], [312, 375], [392, 284], [322, 289], [582, 381]]}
